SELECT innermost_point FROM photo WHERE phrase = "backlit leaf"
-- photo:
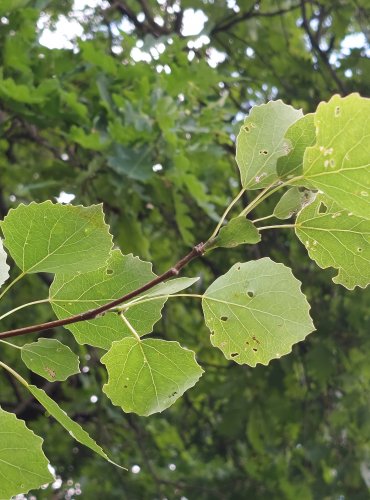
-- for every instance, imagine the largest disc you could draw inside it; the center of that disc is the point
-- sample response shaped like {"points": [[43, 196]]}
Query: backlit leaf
{"points": [[336, 238], [50, 359], [261, 142], [73, 294], [256, 312], [148, 376], [339, 163], [57, 238], [23, 465]]}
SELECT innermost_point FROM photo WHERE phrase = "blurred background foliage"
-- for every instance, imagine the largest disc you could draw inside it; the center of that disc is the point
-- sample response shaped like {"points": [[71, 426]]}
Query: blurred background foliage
{"points": [[135, 104]]}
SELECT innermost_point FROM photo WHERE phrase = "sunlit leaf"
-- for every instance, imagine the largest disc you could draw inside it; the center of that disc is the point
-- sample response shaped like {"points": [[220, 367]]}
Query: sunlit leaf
{"points": [[256, 312], [339, 163], [336, 238], [82, 292], [148, 376], [50, 359], [23, 465], [4, 268], [74, 429], [57, 238], [237, 231], [261, 142]]}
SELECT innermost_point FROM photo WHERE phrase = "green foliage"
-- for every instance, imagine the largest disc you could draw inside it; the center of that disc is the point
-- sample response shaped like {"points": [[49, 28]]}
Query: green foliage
{"points": [[256, 312], [291, 201], [78, 293], [336, 238], [338, 164], [74, 429], [23, 464], [148, 376], [52, 238], [50, 359], [261, 142], [153, 141], [237, 231]]}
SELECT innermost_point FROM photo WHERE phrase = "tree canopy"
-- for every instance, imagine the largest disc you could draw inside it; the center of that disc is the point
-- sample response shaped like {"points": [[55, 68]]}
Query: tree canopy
{"points": [[137, 105]]}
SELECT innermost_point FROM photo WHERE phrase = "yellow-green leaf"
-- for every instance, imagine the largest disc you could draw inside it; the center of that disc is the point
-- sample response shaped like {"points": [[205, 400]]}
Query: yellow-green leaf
{"points": [[148, 376], [256, 312], [336, 238]]}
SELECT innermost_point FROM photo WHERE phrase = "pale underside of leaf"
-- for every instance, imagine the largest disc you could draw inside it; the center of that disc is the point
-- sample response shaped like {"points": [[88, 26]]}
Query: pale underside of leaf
{"points": [[23, 465], [148, 376], [256, 312], [74, 294], [57, 238], [339, 163], [170, 287], [336, 238]]}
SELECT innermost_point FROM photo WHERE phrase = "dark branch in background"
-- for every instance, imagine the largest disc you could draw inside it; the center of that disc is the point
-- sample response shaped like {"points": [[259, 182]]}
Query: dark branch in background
{"points": [[252, 12], [197, 251], [319, 52]]}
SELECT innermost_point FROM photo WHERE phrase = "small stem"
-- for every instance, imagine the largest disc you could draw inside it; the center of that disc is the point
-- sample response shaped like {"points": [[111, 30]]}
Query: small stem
{"points": [[19, 277], [130, 327], [12, 311], [265, 194], [11, 345], [278, 226], [263, 218], [223, 217], [14, 373], [256, 201]]}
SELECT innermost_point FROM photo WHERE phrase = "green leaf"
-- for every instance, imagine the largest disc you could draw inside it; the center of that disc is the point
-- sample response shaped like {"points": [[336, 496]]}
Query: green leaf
{"points": [[94, 140], [50, 359], [4, 268], [171, 287], [291, 201], [261, 142], [23, 465], [130, 162], [148, 376], [57, 238], [82, 292], [256, 312], [237, 231], [336, 238], [339, 162], [74, 429], [300, 136]]}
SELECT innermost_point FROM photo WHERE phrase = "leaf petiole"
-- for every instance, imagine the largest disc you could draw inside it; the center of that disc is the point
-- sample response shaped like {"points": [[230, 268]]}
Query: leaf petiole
{"points": [[12, 311], [223, 217], [11, 284], [130, 327]]}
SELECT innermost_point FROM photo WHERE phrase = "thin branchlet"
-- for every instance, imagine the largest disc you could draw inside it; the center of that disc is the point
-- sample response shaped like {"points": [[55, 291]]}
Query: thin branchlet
{"points": [[197, 251]]}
